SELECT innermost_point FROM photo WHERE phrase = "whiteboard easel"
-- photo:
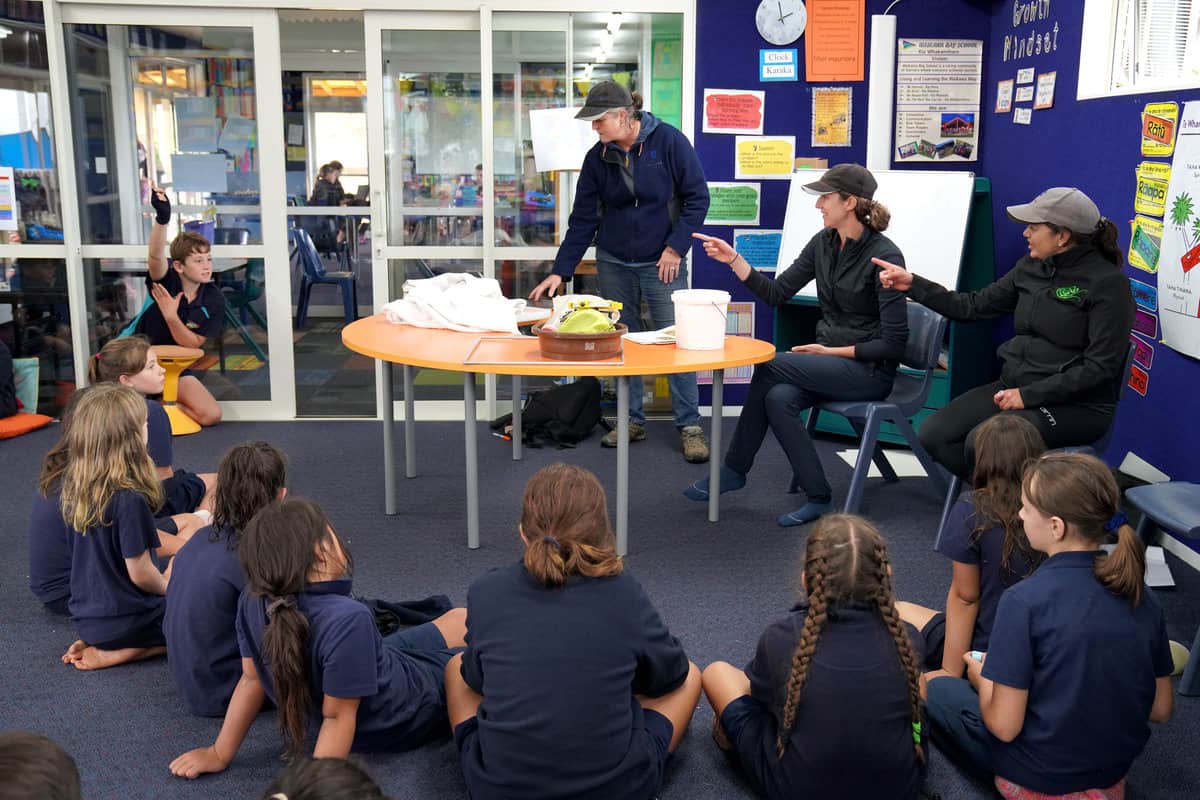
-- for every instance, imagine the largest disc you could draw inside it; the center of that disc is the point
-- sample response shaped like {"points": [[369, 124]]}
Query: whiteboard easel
{"points": [[929, 220]]}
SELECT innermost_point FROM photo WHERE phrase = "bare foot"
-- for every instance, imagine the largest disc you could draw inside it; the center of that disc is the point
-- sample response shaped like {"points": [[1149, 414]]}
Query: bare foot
{"points": [[74, 652], [95, 658]]}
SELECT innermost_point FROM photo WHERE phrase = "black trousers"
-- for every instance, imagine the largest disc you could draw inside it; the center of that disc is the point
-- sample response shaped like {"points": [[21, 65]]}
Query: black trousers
{"points": [[949, 435]]}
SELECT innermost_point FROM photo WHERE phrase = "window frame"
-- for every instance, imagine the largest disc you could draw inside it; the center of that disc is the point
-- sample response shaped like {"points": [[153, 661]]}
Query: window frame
{"points": [[1098, 55]]}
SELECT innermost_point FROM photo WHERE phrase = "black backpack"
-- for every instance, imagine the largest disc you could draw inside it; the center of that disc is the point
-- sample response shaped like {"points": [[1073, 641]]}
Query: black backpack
{"points": [[564, 414], [8, 386]]}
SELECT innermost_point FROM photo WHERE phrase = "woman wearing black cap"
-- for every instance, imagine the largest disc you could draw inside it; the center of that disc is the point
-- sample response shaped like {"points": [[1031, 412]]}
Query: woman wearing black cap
{"points": [[641, 194], [1073, 310], [860, 337]]}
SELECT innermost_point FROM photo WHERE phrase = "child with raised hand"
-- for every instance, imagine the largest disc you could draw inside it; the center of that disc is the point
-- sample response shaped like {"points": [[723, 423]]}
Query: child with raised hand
{"points": [[985, 541], [324, 779], [314, 650], [571, 686], [108, 495], [131, 362], [188, 307], [207, 579], [1078, 661], [830, 705]]}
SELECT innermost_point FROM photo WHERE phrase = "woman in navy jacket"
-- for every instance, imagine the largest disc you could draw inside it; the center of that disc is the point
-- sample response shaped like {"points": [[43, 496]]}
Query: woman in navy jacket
{"points": [[641, 194]]}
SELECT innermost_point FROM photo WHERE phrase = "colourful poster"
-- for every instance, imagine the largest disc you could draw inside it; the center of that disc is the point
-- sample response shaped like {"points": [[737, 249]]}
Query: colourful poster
{"points": [[1178, 278], [938, 86], [733, 111], [1004, 96], [767, 157], [1145, 241], [1152, 180], [831, 107], [760, 248], [1139, 380], [739, 321], [733, 203], [8, 201], [1144, 295], [835, 40], [1145, 323], [1158, 128], [1143, 351]]}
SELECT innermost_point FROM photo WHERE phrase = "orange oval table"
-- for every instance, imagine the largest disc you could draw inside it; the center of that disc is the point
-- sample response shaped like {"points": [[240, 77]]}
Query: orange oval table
{"points": [[501, 354]]}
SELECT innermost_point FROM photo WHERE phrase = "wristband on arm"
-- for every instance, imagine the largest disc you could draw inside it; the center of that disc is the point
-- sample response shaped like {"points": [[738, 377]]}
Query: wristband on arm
{"points": [[162, 209]]}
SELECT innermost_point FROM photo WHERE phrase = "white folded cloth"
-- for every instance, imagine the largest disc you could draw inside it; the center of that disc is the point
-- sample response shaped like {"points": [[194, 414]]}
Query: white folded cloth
{"points": [[455, 300]]}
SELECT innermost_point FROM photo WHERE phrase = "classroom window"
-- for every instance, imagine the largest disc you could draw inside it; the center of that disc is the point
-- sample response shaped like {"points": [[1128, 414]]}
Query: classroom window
{"points": [[1137, 46]]}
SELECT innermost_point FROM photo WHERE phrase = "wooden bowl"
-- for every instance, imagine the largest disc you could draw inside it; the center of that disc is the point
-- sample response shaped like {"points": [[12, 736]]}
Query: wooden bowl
{"points": [[580, 346]]}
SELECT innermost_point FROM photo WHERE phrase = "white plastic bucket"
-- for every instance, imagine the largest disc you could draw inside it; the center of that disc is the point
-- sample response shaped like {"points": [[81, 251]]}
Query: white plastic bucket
{"points": [[700, 318]]}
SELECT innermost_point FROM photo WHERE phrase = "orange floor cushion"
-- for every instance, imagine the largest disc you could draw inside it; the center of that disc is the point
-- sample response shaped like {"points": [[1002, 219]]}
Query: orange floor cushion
{"points": [[21, 423]]}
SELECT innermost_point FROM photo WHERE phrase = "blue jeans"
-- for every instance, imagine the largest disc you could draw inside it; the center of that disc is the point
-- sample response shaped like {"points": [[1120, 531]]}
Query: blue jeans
{"points": [[628, 283], [952, 708], [784, 387]]}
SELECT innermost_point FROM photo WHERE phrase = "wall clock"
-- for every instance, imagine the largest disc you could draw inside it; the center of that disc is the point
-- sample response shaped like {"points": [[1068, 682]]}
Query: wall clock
{"points": [[781, 21]]}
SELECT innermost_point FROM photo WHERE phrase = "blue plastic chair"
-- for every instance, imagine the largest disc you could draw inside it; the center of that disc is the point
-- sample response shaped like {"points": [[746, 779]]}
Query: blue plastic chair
{"points": [[313, 272], [1176, 507], [926, 330], [1095, 448]]}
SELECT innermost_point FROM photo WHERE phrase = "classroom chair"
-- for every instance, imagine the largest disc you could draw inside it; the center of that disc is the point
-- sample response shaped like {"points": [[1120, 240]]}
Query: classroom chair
{"points": [[313, 272], [240, 296], [1095, 448], [174, 360], [1174, 506], [926, 330]]}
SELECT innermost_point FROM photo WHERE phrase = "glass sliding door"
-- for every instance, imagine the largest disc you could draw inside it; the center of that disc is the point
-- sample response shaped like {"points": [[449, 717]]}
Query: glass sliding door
{"points": [[160, 100]]}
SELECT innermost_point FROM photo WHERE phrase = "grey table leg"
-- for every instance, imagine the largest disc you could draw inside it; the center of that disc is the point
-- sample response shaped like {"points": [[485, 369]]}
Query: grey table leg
{"points": [[714, 451], [472, 461], [389, 442], [410, 423], [622, 465], [516, 417]]}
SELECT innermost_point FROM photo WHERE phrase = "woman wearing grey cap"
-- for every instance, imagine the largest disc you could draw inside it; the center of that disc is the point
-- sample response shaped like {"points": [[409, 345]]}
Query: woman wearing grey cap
{"points": [[1072, 309], [860, 336], [641, 194]]}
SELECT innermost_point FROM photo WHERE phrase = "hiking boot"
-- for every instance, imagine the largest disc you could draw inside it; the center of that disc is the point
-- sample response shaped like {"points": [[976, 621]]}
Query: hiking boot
{"points": [[637, 432], [695, 446]]}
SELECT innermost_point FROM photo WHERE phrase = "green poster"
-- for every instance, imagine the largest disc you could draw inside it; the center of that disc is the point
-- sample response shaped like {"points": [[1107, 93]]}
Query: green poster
{"points": [[733, 204]]}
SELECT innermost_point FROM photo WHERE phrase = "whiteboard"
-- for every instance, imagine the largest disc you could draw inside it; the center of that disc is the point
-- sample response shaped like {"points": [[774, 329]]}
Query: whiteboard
{"points": [[929, 220]]}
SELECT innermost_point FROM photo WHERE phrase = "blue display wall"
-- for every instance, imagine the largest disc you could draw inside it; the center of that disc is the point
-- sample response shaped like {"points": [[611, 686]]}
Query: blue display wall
{"points": [[1092, 144]]}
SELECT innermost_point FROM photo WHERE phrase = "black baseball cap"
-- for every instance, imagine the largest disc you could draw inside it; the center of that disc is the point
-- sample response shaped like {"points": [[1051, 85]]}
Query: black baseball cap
{"points": [[602, 98], [853, 179]]}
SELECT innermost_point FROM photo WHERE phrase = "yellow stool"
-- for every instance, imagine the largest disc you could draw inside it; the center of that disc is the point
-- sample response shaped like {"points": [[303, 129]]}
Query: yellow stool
{"points": [[174, 360]]}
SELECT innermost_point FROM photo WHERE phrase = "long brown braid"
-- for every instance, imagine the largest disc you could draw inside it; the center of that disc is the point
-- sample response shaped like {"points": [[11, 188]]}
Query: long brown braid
{"points": [[845, 562]]}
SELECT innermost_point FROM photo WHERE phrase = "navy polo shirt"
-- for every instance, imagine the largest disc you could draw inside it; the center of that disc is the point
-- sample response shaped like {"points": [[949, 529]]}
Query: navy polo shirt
{"points": [[347, 658], [558, 668], [50, 543], [105, 603], [158, 429], [199, 621], [984, 550], [852, 737], [202, 316], [1089, 662]]}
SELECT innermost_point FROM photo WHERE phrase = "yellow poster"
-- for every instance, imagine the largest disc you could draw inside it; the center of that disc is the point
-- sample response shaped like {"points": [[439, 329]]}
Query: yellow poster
{"points": [[1159, 121], [1152, 180], [1145, 241], [831, 116], [767, 157]]}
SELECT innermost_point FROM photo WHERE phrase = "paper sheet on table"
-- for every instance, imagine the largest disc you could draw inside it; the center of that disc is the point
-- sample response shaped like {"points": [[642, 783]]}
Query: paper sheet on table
{"points": [[903, 461], [1157, 571], [664, 336], [199, 172]]}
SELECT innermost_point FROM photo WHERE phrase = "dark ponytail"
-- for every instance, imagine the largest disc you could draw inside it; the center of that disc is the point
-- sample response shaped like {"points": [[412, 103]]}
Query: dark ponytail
{"points": [[1103, 237], [278, 550], [1080, 490], [249, 479]]}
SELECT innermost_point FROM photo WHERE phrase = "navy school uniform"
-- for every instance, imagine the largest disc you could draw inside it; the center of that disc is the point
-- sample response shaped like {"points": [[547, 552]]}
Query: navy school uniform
{"points": [[1089, 662], [984, 550], [183, 491], [202, 316], [852, 736], [558, 669], [199, 621], [50, 544], [401, 688], [109, 610]]}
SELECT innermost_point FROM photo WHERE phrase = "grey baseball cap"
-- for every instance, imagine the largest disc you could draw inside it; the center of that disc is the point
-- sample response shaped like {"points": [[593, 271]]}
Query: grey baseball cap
{"points": [[602, 98], [853, 179], [1063, 206]]}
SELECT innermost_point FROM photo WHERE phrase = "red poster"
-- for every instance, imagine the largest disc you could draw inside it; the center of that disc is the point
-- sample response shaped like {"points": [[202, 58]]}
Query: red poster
{"points": [[733, 112], [1139, 380], [834, 40]]}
